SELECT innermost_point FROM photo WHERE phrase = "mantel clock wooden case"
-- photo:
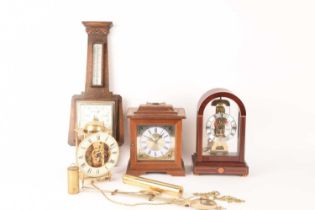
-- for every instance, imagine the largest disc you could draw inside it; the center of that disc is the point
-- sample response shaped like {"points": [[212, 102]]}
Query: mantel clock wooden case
{"points": [[156, 139], [220, 144], [97, 102]]}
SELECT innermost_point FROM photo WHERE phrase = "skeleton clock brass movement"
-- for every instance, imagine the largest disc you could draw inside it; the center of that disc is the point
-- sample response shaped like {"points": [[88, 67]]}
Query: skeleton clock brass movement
{"points": [[220, 134], [97, 153], [97, 101]]}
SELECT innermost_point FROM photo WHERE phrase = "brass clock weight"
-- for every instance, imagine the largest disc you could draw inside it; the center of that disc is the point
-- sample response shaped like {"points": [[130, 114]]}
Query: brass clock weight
{"points": [[96, 131]]}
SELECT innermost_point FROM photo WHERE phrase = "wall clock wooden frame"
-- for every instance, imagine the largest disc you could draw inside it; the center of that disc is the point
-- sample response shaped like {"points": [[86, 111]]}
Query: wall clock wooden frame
{"points": [[97, 81], [156, 115], [234, 165]]}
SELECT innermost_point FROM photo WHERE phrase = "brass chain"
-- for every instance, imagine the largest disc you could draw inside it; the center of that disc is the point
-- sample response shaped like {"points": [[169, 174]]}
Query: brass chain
{"points": [[103, 192], [200, 201]]}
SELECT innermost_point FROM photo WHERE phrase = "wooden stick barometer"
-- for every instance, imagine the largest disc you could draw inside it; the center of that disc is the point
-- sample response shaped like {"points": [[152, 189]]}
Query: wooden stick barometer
{"points": [[97, 102]]}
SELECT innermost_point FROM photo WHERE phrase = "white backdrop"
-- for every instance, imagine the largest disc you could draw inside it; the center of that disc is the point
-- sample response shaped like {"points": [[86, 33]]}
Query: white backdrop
{"points": [[160, 51]]}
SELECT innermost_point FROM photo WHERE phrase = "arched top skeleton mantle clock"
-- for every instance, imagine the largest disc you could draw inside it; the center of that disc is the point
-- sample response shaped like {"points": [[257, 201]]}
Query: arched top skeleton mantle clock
{"points": [[221, 120]]}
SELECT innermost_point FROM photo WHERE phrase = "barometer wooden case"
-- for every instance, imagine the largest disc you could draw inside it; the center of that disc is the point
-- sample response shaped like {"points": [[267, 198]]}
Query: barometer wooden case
{"points": [[221, 118], [97, 102], [156, 139]]}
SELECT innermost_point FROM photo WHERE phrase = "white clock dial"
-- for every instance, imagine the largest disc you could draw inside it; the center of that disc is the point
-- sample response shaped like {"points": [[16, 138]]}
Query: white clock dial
{"points": [[101, 110], [155, 142], [97, 64], [97, 154], [221, 125]]}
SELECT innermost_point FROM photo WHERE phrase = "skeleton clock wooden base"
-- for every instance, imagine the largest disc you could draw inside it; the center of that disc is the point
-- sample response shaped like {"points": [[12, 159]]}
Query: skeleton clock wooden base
{"points": [[227, 168]]}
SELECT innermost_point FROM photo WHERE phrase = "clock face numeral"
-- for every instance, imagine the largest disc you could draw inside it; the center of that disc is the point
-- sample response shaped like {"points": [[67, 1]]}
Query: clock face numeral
{"points": [[221, 125], [156, 142], [97, 154], [221, 131]]}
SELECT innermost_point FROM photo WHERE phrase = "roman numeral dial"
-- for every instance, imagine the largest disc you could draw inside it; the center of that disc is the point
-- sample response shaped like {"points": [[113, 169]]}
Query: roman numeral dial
{"points": [[156, 142], [97, 154]]}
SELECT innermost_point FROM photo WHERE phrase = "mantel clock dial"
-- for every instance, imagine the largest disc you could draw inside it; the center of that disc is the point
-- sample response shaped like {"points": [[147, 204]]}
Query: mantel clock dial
{"points": [[156, 142], [156, 139], [97, 101], [220, 134]]}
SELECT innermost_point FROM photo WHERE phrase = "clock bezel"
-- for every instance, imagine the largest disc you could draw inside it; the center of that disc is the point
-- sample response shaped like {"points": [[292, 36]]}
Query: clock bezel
{"points": [[159, 164], [90, 140], [171, 150]]}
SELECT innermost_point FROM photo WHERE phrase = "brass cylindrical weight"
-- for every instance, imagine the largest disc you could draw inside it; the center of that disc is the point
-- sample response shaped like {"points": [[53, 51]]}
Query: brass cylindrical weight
{"points": [[73, 180]]}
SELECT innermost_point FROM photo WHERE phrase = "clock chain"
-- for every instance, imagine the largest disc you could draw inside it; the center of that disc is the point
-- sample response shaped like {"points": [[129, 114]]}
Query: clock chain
{"points": [[199, 201]]}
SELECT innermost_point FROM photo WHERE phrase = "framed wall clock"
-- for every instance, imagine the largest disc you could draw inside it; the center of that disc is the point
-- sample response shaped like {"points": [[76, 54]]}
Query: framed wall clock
{"points": [[156, 139], [220, 148], [97, 101]]}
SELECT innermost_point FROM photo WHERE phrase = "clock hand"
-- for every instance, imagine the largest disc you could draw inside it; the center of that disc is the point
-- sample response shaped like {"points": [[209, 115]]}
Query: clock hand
{"points": [[150, 138], [159, 137]]}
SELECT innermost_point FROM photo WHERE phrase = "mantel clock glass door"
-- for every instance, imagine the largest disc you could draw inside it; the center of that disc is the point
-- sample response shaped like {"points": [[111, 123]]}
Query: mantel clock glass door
{"points": [[97, 101], [156, 142], [156, 139], [220, 134]]}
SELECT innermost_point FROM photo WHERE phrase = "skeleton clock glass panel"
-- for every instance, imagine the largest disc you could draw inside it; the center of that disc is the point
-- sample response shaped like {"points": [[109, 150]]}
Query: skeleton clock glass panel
{"points": [[221, 128]]}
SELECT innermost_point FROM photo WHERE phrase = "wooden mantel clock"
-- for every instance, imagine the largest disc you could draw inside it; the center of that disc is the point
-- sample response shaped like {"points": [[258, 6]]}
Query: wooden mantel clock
{"points": [[156, 139], [97, 102], [221, 118]]}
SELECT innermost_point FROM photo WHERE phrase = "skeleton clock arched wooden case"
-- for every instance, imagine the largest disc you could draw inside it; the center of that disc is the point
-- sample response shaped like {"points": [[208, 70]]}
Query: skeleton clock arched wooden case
{"points": [[221, 119]]}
